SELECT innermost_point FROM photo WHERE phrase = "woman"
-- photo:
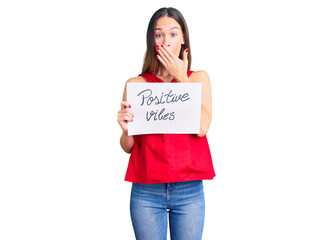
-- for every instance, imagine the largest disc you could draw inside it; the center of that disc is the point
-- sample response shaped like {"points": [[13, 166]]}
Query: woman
{"points": [[166, 170]]}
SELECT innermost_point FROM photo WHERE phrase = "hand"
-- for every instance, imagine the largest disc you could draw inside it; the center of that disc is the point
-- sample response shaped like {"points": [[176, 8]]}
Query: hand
{"points": [[176, 67], [125, 115]]}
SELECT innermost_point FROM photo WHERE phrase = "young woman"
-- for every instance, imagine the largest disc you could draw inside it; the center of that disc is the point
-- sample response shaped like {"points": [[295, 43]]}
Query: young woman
{"points": [[166, 170]]}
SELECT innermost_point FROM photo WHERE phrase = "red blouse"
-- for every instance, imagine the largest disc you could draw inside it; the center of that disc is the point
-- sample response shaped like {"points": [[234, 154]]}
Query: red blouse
{"points": [[166, 158]]}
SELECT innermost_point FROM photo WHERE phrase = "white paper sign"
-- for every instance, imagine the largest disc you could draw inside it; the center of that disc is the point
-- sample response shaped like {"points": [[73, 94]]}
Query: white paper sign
{"points": [[164, 108]]}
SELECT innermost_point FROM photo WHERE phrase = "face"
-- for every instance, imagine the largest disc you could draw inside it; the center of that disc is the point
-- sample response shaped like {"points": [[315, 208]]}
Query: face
{"points": [[169, 33]]}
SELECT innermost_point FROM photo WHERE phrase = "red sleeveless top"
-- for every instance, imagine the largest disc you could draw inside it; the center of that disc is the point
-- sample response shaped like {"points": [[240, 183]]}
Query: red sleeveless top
{"points": [[166, 158]]}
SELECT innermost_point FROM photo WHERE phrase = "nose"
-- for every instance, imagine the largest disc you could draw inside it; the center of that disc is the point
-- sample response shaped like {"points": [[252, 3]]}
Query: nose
{"points": [[166, 41]]}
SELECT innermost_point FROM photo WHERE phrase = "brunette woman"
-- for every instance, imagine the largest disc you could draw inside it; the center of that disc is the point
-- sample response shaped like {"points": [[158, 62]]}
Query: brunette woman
{"points": [[166, 170]]}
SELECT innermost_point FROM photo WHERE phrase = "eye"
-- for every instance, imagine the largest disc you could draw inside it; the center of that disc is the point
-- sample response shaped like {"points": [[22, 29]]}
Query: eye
{"points": [[173, 34], [158, 35]]}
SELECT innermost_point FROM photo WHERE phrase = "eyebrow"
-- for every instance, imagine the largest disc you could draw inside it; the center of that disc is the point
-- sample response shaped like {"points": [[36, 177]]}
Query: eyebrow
{"points": [[170, 28]]}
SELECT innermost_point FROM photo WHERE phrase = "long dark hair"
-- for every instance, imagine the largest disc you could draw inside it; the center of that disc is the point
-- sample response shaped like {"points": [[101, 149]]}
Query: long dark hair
{"points": [[150, 61]]}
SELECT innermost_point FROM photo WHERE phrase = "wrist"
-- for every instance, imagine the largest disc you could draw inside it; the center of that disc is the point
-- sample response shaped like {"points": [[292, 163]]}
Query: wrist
{"points": [[125, 133], [183, 79]]}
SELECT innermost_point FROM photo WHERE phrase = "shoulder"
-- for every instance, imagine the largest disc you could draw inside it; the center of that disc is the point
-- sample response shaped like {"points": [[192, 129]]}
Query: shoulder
{"points": [[200, 76], [137, 79]]}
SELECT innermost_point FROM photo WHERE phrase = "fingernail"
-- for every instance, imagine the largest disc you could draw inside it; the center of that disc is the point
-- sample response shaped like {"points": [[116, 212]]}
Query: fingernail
{"points": [[186, 50], [157, 45], [157, 49], [157, 56], [162, 45], [129, 106]]}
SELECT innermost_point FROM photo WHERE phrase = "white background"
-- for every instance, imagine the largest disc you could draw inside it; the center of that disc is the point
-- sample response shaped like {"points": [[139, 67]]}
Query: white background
{"points": [[63, 67]]}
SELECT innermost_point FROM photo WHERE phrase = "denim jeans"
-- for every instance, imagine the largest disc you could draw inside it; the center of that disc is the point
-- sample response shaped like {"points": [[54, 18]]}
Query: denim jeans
{"points": [[183, 202]]}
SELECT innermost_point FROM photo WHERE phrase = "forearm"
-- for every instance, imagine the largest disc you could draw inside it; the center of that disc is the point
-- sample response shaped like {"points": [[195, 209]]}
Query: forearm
{"points": [[205, 122], [126, 142], [183, 78]]}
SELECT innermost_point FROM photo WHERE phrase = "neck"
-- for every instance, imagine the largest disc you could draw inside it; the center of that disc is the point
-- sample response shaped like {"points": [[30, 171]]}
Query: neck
{"points": [[162, 71]]}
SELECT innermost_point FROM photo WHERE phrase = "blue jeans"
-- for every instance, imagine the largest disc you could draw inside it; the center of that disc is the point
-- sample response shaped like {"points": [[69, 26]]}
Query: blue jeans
{"points": [[151, 204]]}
